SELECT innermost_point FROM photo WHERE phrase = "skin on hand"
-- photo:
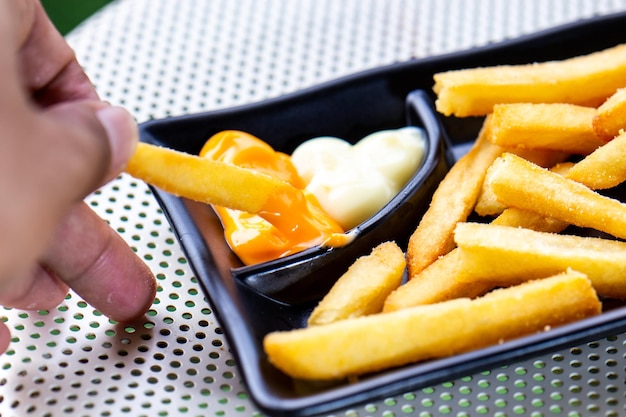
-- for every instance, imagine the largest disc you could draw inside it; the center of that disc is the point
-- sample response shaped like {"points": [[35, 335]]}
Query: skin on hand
{"points": [[59, 142]]}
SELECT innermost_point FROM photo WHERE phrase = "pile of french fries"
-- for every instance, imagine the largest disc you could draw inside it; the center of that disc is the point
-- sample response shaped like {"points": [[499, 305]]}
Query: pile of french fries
{"points": [[552, 137]]}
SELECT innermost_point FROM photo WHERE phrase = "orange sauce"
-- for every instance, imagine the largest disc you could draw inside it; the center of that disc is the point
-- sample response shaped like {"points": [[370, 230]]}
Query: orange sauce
{"points": [[289, 223]]}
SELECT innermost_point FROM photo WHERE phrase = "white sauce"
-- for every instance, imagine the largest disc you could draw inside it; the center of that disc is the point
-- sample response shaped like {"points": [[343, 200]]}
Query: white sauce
{"points": [[352, 183]]}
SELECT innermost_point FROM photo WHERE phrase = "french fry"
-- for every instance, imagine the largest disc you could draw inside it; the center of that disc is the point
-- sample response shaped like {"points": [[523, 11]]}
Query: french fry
{"points": [[514, 217], [543, 157], [204, 180], [604, 168], [436, 283], [440, 280], [519, 183], [488, 203], [584, 80], [363, 289], [231, 186], [563, 168], [380, 341], [504, 256], [451, 203], [611, 116], [552, 126]]}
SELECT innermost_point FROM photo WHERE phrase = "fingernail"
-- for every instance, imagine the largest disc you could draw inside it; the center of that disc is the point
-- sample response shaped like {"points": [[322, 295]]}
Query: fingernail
{"points": [[123, 136]]}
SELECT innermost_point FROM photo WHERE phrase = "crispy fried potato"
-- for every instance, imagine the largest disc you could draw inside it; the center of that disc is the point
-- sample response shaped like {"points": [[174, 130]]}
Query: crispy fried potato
{"points": [[234, 187], [509, 255], [584, 80], [514, 217], [380, 341], [611, 116], [489, 205], [554, 126], [604, 168], [451, 203], [543, 157], [363, 289], [437, 283], [204, 180], [456, 197], [519, 183]]}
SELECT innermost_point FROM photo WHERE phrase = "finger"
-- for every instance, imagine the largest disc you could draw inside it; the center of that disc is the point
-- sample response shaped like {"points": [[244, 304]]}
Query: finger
{"points": [[100, 267], [38, 289], [58, 186], [68, 83], [5, 337], [56, 157], [93, 141], [123, 136], [48, 65], [18, 18]]}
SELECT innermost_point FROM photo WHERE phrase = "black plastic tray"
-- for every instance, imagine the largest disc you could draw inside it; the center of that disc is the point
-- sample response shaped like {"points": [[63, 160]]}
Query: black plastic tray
{"points": [[351, 107]]}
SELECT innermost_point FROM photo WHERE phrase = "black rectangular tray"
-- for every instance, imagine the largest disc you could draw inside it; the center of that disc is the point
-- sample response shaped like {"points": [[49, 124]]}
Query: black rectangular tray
{"points": [[348, 107]]}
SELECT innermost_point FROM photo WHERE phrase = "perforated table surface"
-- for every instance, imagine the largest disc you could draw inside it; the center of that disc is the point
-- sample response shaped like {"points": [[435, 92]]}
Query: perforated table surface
{"points": [[161, 58]]}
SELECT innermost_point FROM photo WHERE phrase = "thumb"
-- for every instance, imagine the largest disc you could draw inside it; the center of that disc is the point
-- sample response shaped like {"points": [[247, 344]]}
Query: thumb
{"points": [[57, 156], [123, 136], [5, 337], [96, 140]]}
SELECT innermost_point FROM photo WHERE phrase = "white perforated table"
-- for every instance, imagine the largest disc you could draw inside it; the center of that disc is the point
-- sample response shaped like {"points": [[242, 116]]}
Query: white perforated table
{"points": [[160, 58]]}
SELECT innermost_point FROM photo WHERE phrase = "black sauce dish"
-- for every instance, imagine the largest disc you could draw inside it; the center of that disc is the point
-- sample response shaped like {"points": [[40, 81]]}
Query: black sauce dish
{"points": [[253, 301]]}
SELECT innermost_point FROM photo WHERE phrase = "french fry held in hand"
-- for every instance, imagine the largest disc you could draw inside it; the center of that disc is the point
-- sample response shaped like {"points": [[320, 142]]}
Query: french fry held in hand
{"points": [[204, 180], [611, 116], [367, 344], [231, 186], [506, 256], [586, 80], [363, 289], [518, 183], [552, 126]]}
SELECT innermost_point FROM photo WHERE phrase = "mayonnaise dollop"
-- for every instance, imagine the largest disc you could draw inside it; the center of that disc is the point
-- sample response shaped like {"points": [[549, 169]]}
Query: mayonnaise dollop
{"points": [[353, 182]]}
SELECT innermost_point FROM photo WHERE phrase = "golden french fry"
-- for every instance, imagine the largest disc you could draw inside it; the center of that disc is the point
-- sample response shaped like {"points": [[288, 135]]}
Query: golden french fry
{"points": [[204, 180], [514, 217], [509, 255], [562, 168], [489, 205], [584, 80], [451, 203], [552, 126], [231, 186], [543, 157], [604, 168], [439, 281], [519, 183], [436, 283], [380, 341], [611, 116], [363, 289]]}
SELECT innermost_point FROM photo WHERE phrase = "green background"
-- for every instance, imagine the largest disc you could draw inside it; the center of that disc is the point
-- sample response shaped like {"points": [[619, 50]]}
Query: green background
{"points": [[67, 14]]}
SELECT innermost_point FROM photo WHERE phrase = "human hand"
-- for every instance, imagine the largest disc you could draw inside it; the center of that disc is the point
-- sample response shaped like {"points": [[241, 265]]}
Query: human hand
{"points": [[58, 143]]}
